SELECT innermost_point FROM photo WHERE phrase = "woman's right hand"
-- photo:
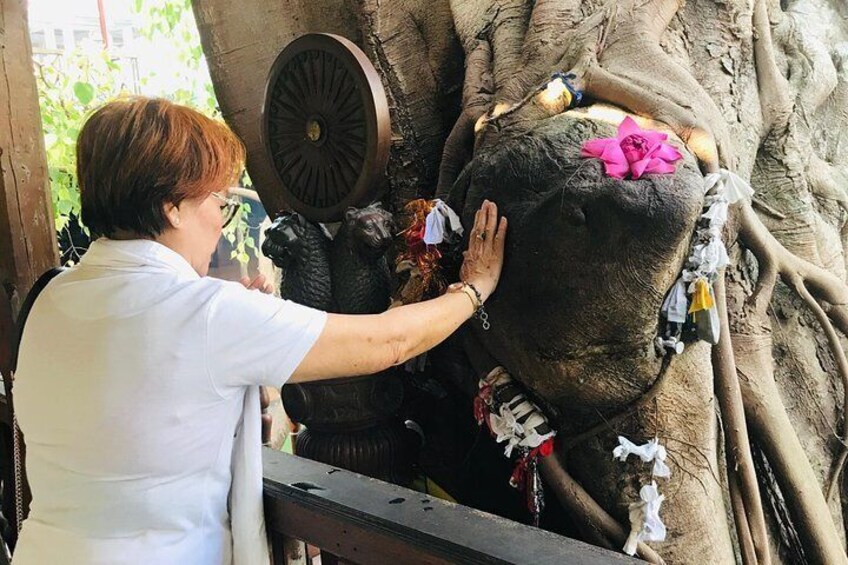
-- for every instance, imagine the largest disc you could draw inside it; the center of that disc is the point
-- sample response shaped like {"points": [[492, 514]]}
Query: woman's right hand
{"points": [[484, 257]]}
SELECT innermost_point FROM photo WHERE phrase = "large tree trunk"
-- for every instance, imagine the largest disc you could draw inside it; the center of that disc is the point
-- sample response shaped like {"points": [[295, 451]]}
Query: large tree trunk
{"points": [[756, 86]]}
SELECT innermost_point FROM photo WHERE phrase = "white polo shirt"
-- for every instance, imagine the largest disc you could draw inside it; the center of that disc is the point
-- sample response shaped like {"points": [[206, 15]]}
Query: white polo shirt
{"points": [[131, 380]]}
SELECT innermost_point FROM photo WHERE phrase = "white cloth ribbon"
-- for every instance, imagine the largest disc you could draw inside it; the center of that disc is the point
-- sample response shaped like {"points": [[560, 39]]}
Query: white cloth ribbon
{"points": [[247, 516], [504, 423], [438, 219], [675, 307], [709, 257], [645, 521], [735, 187], [717, 213], [647, 452]]}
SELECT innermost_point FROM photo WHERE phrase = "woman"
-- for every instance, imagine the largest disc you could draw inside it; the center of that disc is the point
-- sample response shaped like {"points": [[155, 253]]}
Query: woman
{"points": [[135, 367]]}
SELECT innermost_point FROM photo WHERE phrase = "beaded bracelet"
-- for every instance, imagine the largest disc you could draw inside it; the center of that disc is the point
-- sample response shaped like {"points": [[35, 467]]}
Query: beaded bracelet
{"points": [[480, 313]]}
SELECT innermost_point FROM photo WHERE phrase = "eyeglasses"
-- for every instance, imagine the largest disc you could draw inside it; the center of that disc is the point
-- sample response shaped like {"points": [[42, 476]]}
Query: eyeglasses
{"points": [[229, 207]]}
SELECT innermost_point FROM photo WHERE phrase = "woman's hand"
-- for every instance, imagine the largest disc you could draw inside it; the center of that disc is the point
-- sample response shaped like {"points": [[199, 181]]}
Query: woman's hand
{"points": [[484, 257], [258, 283]]}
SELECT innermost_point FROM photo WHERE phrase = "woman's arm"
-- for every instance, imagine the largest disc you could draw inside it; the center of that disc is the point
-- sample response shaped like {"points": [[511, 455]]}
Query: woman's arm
{"points": [[353, 345]]}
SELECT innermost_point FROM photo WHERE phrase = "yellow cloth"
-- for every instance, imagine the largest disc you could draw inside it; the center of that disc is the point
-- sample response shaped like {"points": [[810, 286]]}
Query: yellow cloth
{"points": [[426, 485], [702, 297]]}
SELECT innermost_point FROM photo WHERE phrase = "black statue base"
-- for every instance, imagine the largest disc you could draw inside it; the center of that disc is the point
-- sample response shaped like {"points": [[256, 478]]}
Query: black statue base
{"points": [[352, 423]]}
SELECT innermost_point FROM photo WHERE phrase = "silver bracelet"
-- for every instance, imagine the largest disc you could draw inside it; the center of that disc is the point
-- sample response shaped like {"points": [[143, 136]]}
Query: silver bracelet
{"points": [[480, 313]]}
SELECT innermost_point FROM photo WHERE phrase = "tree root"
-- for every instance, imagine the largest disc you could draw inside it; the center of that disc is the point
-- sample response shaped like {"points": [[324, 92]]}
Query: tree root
{"points": [[697, 135], [778, 111], [476, 98], [811, 283], [770, 424], [550, 21], [838, 353], [585, 509], [740, 464], [743, 532], [775, 98], [507, 38], [633, 52]]}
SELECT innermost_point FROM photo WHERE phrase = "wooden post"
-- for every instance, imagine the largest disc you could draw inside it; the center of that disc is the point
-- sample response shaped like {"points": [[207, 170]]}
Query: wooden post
{"points": [[27, 232]]}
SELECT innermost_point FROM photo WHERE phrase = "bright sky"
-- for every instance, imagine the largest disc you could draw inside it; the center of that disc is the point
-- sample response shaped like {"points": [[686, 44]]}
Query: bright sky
{"points": [[158, 62], [66, 11]]}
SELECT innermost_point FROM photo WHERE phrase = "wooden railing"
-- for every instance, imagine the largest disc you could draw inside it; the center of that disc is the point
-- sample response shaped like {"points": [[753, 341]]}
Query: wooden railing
{"points": [[360, 520]]}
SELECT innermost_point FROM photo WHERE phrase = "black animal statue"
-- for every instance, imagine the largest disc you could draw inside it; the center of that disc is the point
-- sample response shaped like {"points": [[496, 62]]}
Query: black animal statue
{"points": [[358, 261], [302, 251]]}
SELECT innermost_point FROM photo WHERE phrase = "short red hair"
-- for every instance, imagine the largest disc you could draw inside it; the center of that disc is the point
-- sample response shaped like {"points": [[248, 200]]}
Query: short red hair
{"points": [[136, 154]]}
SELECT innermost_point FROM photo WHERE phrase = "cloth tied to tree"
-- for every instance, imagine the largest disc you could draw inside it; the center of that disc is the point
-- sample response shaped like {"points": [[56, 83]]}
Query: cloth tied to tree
{"points": [[645, 521], [647, 452], [706, 260], [514, 419], [427, 224], [439, 220]]}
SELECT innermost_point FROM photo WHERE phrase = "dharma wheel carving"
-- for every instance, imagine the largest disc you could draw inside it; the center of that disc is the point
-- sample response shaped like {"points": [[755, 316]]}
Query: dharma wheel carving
{"points": [[325, 126]]}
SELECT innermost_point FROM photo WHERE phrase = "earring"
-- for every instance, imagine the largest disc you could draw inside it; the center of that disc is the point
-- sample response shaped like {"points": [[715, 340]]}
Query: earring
{"points": [[177, 221]]}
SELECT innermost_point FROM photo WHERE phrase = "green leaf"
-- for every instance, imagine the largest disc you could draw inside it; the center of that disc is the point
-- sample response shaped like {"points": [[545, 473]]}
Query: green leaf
{"points": [[61, 222], [84, 92]]}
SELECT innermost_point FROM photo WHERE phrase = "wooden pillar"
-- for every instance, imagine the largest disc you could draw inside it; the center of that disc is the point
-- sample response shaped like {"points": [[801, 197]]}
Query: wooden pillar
{"points": [[27, 231]]}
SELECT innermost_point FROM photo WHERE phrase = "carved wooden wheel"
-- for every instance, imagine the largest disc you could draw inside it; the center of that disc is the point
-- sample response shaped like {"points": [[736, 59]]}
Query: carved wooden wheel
{"points": [[326, 126]]}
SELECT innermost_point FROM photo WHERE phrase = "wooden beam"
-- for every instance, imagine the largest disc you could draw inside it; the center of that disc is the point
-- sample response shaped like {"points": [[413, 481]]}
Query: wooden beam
{"points": [[27, 232], [363, 520]]}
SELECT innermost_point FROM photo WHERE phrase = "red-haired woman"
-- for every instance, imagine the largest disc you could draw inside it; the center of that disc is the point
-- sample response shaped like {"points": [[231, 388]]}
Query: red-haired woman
{"points": [[136, 370]]}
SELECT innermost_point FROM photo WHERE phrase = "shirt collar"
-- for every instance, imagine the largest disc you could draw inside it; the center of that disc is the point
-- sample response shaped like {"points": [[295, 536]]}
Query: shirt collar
{"points": [[137, 254]]}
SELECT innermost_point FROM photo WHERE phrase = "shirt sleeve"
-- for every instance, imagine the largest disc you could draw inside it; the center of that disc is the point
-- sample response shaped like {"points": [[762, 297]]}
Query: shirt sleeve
{"points": [[257, 339]]}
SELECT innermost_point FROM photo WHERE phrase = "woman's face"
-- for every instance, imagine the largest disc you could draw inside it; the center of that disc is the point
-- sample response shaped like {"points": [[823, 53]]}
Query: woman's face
{"points": [[201, 222]]}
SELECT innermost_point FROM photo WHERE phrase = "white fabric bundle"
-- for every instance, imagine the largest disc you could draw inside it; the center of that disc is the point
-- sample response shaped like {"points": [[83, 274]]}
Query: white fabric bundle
{"points": [[708, 255], [438, 220], [735, 187], [647, 452], [645, 521], [505, 422], [676, 306]]}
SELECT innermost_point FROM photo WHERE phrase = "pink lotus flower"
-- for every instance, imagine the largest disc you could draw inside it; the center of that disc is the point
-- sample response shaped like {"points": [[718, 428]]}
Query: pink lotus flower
{"points": [[633, 150]]}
